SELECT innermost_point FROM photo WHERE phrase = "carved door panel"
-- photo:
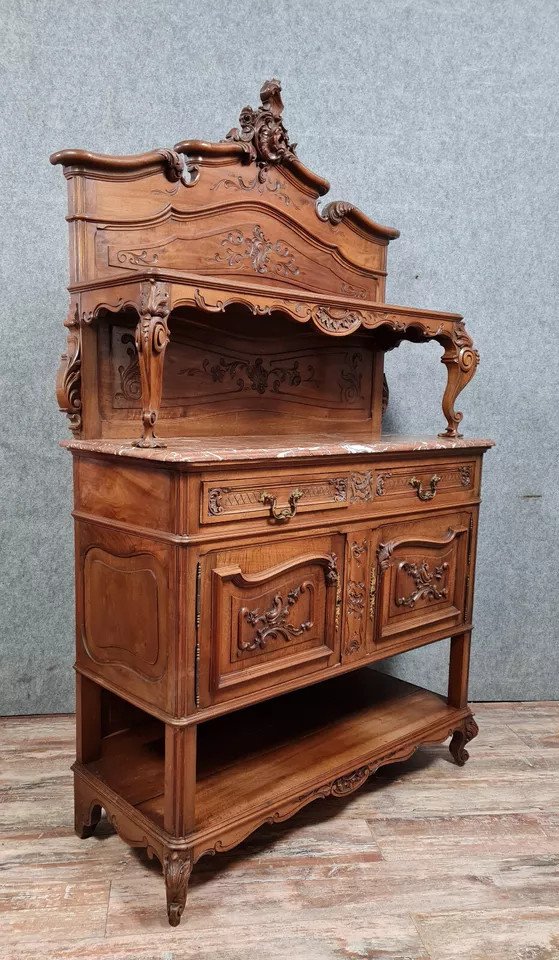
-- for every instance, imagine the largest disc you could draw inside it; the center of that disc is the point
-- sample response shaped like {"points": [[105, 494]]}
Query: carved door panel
{"points": [[422, 577], [270, 613]]}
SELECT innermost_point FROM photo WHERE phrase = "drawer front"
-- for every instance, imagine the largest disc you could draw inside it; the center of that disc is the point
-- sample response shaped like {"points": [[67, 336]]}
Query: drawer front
{"points": [[429, 484], [289, 498], [422, 576], [275, 498], [269, 613]]}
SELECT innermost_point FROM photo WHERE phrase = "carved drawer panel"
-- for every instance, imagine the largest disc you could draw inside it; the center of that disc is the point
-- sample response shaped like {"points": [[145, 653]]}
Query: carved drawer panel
{"points": [[422, 576], [262, 623], [428, 484], [276, 499]]}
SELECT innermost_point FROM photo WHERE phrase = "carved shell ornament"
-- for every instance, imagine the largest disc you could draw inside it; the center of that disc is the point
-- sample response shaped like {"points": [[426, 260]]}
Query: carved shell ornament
{"points": [[262, 133]]}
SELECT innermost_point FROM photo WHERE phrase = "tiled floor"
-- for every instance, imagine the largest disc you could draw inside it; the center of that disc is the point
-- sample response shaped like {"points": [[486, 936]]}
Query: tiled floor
{"points": [[426, 862]]}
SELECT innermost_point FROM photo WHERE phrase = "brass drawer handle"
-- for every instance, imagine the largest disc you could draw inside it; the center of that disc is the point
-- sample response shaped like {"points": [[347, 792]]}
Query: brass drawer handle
{"points": [[286, 512], [425, 494]]}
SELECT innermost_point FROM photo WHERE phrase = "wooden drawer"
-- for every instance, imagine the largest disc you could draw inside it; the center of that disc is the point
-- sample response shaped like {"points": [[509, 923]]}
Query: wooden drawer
{"points": [[287, 498], [268, 613], [427, 483], [422, 577], [276, 498]]}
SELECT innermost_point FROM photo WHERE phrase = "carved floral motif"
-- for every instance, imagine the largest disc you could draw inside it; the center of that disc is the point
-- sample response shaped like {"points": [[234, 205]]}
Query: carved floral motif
{"points": [[340, 487], [380, 482], [352, 781], [215, 495], [360, 487], [265, 256], [356, 598], [427, 583], [350, 378], [258, 375], [69, 379], [465, 473], [261, 183], [274, 623], [358, 549]]}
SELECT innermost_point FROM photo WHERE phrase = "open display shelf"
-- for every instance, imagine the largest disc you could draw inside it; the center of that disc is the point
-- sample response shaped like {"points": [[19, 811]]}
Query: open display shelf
{"points": [[279, 753]]}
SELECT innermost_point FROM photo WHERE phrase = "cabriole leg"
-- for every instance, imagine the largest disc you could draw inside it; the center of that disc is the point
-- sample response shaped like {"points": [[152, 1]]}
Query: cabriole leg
{"points": [[177, 867], [460, 738], [87, 813]]}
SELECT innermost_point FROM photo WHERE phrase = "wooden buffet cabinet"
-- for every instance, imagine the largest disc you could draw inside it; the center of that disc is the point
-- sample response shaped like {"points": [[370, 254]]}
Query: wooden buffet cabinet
{"points": [[247, 542]]}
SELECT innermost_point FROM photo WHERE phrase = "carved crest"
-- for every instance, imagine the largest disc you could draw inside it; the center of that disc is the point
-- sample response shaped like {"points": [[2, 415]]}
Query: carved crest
{"points": [[262, 133]]}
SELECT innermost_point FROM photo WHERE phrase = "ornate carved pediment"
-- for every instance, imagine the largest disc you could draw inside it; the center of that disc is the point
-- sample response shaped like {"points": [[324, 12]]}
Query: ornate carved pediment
{"points": [[262, 133]]}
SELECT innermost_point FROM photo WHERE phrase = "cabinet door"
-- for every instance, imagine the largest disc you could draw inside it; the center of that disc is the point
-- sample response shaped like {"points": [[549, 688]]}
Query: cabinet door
{"points": [[422, 574], [269, 613]]}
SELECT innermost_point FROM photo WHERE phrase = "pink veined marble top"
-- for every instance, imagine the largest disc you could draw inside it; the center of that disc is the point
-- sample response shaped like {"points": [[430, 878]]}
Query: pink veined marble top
{"points": [[208, 450]]}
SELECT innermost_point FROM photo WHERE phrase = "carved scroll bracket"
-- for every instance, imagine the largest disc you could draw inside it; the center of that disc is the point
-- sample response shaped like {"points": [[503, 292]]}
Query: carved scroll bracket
{"points": [[152, 337], [461, 360], [69, 378]]}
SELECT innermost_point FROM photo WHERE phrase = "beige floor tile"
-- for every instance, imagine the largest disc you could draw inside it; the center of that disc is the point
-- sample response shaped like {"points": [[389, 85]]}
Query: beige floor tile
{"points": [[507, 935]]}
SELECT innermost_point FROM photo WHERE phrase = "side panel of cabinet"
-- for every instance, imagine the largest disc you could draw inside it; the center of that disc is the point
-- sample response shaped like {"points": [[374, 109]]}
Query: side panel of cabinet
{"points": [[422, 573], [268, 613], [125, 589]]}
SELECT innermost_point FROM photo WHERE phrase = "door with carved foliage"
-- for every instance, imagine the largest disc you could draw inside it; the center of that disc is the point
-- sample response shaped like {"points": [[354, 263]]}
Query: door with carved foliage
{"points": [[269, 613], [421, 577]]}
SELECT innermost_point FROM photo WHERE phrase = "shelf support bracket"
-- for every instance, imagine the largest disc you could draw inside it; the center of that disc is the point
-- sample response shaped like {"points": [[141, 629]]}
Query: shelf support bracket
{"points": [[461, 360], [152, 337]]}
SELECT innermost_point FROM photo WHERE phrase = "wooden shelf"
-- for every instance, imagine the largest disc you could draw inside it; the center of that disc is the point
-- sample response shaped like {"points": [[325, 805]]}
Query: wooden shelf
{"points": [[265, 754]]}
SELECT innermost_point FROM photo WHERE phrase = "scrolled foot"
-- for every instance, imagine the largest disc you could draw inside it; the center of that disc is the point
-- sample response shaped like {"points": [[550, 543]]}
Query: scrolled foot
{"points": [[460, 738], [86, 818], [177, 867]]}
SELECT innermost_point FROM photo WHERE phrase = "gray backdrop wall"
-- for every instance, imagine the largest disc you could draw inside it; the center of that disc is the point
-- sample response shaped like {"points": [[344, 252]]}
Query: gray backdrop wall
{"points": [[435, 116]]}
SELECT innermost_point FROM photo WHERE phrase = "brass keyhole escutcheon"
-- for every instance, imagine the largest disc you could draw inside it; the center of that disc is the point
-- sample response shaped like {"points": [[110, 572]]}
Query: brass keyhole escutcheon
{"points": [[284, 513], [430, 492]]}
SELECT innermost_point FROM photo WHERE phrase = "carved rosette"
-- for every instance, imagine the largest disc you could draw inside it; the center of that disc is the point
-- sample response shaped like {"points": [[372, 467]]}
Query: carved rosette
{"points": [[69, 378], [262, 133], [152, 337]]}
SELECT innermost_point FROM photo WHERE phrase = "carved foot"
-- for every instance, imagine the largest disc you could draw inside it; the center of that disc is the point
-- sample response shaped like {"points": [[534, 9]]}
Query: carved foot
{"points": [[177, 868], [460, 738], [86, 817]]}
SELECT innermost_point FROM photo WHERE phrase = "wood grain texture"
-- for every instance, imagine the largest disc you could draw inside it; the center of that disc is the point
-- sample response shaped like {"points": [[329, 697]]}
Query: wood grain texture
{"points": [[333, 881]]}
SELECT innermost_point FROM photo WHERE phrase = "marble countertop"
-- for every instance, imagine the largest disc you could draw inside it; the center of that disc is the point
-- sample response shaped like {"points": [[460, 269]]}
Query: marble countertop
{"points": [[202, 451]]}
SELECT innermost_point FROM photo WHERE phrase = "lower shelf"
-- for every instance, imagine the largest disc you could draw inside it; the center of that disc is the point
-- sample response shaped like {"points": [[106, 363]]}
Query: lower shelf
{"points": [[271, 759]]}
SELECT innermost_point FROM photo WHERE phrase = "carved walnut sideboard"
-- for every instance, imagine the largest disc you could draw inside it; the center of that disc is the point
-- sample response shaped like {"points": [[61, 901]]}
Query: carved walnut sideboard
{"points": [[247, 542]]}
